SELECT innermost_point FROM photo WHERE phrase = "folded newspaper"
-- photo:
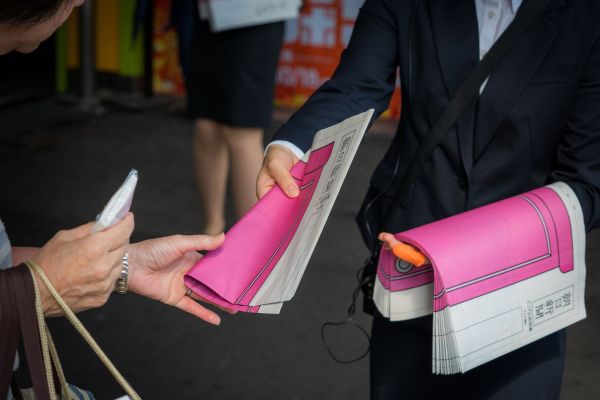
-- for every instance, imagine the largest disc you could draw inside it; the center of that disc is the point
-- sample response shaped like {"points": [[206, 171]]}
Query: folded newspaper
{"points": [[265, 254], [231, 14], [501, 277]]}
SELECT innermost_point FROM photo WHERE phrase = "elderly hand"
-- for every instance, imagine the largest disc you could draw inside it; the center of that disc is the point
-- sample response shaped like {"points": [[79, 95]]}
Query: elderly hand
{"points": [[276, 167], [157, 267], [83, 267]]}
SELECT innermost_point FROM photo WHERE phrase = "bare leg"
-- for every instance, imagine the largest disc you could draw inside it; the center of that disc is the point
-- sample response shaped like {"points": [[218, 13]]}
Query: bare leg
{"points": [[246, 156], [211, 166]]}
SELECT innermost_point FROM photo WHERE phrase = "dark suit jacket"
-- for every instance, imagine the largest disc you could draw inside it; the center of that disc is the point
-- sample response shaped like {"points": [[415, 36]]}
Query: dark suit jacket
{"points": [[537, 121]]}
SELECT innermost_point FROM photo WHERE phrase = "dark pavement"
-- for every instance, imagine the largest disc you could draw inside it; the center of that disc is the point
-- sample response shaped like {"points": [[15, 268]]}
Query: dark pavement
{"points": [[62, 177]]}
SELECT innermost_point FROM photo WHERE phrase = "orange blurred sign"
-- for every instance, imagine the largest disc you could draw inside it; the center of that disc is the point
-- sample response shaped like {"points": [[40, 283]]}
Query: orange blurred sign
{"points": [[312, 49]]}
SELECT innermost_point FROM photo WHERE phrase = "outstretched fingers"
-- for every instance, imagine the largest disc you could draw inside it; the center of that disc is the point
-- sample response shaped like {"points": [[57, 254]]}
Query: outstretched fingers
{"points": [[190, 306]]}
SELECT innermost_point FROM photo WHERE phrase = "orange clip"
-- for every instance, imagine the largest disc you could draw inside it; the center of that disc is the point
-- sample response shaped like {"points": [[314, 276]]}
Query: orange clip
{"points": [[408, 253]]}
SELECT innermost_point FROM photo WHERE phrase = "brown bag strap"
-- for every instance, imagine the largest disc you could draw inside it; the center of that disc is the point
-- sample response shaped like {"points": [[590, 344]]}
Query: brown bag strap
{"points": [[9, 326], [21, 310], [24, 292], [70, 315]]}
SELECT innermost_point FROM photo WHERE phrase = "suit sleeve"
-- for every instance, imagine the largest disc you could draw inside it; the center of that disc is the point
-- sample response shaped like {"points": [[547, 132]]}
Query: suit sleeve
{"points": [[578, 158], [364, 79]]}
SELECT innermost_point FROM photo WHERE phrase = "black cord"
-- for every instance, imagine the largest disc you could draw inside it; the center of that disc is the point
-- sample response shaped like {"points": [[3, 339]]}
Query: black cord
{"points": [[361, 279], [349, 320]]}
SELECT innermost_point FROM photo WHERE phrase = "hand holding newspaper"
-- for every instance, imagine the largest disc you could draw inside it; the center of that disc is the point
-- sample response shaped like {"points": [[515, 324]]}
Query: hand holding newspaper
{"points": [[265, 254]]}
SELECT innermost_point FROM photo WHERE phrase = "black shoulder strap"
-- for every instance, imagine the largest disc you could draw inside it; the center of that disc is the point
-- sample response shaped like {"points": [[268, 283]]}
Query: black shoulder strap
{"points": [[467, 92]]}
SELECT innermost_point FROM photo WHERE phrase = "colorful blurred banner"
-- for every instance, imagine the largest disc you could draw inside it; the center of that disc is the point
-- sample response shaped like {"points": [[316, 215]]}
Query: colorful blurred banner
{"points": [[166, 71], [312, 48]]}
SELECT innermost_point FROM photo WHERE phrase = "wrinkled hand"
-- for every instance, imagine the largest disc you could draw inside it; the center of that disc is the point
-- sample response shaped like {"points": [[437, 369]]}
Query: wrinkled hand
{"points": [[83, 267], [157, 267], [403, 251], [276, 167]]}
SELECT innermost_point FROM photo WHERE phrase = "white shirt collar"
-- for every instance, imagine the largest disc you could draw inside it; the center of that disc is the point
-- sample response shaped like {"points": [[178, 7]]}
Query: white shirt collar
{"points": [[515, 4]]}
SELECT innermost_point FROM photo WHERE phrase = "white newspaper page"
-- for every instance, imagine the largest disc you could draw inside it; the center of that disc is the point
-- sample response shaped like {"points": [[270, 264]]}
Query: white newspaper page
{"points": [[495, 323], [340, 142], [231, 14], [502, 276]]}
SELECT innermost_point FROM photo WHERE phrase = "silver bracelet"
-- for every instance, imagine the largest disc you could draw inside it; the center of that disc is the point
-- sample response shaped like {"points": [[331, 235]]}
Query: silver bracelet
{"points": [[121, 283]]}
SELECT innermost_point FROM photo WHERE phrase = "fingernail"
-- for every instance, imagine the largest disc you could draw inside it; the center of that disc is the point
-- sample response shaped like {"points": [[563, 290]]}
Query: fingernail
{"points": [[293, 190], [215, 320]]}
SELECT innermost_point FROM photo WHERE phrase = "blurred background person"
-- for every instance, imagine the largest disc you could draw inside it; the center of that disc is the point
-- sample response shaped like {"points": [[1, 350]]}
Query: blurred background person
{"points": [[230, 96]]}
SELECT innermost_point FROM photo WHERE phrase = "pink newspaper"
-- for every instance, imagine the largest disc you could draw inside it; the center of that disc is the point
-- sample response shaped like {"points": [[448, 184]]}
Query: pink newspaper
{"points": [[266, 253], [501, 276]]}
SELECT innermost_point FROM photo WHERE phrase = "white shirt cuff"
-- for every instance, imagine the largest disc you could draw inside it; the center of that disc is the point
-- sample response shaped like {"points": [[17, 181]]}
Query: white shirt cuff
{"points": [[289, 145]]}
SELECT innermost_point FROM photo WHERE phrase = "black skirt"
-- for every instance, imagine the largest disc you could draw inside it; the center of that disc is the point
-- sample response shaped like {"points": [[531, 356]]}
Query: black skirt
{"points": [[232, 74]]}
